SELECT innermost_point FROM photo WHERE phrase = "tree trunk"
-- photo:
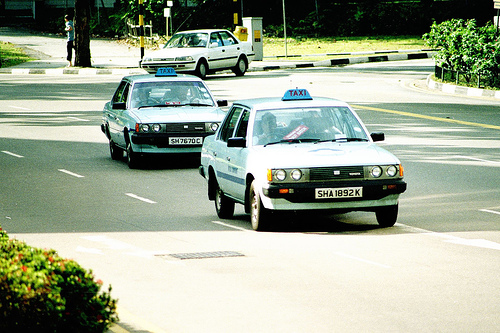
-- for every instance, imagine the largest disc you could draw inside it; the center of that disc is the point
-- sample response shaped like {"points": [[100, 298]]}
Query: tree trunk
{"points": [[82, 33]]}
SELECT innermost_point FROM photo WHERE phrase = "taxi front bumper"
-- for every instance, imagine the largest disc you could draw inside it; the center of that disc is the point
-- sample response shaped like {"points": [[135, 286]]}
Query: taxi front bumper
{"points": [[302, 193]]}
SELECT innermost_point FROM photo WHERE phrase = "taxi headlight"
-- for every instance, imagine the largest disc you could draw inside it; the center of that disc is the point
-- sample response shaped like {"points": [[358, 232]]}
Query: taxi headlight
{"points": [[376, 172], [156, 128], [280, 175], [144, 128], [296, 174], [391, 171], [185, 58]]}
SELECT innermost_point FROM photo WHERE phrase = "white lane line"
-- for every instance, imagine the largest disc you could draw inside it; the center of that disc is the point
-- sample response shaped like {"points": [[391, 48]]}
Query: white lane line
{"points": [[12, 154], [71, 173], [489, 211], [477, 159], [18, 107], [132, 195], [229, 226], [78, 119], [362, 260]]}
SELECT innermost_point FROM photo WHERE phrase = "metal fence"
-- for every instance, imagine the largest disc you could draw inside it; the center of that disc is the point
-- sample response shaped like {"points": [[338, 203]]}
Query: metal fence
{"points": [[133, 31], [478, 80]]}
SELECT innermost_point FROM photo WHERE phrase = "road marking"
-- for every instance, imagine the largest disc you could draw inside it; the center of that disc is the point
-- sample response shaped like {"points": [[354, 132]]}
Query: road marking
{"points": [[416, 115], [12, 154], [477, 159], [18, 107], [78, 119], [140, 198], [457, 240], [489, 211], [88, 250], [71, 173], [362, 260], [230, 226]]}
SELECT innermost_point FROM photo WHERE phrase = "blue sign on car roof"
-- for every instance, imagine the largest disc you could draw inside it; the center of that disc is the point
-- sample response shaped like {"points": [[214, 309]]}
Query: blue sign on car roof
{"points": [[166, 71], [296, 94]]}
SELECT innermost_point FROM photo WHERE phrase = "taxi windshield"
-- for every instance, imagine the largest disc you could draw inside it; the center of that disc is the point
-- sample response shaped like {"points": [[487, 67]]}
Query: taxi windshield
{"points": [[170, 93], [318, 124], [195, 39]]}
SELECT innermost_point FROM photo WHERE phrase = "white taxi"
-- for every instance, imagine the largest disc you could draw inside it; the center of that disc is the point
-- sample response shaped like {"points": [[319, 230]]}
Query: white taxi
{"points": [[299, 153], [160, 113], [202, 52]]}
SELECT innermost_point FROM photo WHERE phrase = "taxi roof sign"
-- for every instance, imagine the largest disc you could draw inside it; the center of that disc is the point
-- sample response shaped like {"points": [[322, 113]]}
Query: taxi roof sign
{"points": [[296, 95], [166, 71]]}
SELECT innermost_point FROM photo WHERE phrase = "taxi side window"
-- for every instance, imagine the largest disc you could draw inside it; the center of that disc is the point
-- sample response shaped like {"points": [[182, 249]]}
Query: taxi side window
{"points": [[229, 125], [121, 92], [242, 127], [215, 38]]}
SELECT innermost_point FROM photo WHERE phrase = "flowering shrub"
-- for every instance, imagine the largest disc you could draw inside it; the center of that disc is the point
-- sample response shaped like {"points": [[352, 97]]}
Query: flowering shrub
{"points": [[467, 49], [42, 292]]}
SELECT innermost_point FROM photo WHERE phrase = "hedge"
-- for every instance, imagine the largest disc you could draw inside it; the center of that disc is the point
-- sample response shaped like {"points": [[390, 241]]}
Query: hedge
{"points": [[467, 49], [42, 292]]}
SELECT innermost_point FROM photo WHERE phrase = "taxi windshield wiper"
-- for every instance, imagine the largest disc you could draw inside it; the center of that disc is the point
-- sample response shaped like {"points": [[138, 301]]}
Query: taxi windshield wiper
{"points": [[198, 104], [291, 141], [342, 140]]}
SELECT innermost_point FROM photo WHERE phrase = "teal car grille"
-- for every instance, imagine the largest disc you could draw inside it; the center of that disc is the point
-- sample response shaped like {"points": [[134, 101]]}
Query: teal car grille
{"points": [[333, 173]]}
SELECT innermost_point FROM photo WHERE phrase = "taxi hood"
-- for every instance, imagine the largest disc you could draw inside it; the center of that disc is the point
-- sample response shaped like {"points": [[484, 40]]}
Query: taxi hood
{"points": [[323, 154]]}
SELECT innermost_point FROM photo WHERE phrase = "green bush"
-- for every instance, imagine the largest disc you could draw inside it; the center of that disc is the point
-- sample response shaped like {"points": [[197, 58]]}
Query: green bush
{"points": [[467, 49], [42, 292]]}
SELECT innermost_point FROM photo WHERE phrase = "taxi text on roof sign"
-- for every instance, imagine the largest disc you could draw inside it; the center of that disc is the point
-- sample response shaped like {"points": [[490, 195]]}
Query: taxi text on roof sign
{"points": [[166, 71], [296, 94]]}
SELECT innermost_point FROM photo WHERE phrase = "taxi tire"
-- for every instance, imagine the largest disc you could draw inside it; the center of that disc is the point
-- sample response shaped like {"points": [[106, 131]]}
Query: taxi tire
{"points": [[241, 67], [115, 151], [259, 215], [132, 157], [387, 216], [224, 206]]}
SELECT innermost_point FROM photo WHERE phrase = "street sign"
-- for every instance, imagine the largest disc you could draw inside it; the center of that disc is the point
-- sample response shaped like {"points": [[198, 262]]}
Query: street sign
{"points": [[496, 4]]}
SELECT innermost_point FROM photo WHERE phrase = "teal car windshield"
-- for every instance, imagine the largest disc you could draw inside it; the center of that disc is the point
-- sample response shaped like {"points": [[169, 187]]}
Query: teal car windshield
{"points": [[315, 124], [170, 93]]}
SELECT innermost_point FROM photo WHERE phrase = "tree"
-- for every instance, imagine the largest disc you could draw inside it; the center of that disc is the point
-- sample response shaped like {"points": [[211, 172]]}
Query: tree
{"points": [[82, 33]]}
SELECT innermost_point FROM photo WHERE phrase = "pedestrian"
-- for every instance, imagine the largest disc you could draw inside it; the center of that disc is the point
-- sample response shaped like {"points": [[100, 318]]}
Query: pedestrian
{"points": [[70, 29]]}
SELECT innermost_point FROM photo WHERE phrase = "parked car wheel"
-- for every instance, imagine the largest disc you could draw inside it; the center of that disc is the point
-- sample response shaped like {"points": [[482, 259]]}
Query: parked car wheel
{"points": [[387, 216], [241, 67], [201, 69], [224, 206], [259, 215]]}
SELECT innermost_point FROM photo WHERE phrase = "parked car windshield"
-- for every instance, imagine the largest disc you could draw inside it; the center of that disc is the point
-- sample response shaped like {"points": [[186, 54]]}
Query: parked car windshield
{"points": [[173, 93], [307, 125], [197, 39]]}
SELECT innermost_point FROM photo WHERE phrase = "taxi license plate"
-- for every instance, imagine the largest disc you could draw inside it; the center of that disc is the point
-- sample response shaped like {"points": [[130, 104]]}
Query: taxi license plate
{"points": [[341, 192], [185, 141]]}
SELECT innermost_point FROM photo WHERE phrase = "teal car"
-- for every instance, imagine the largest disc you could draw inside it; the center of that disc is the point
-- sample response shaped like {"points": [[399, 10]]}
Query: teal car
{"points": [[299, 153], [162, 113]]}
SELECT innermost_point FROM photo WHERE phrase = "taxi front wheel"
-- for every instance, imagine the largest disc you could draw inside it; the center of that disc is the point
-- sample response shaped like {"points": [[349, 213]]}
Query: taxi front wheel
{"points": [[224, 206], [387, 216], [259, 215], [132, 157]]}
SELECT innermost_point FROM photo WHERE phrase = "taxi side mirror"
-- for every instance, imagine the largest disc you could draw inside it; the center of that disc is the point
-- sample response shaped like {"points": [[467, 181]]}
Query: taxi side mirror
{"points": [[238, 142], [379, 136], [119, 106], [222, 102]]}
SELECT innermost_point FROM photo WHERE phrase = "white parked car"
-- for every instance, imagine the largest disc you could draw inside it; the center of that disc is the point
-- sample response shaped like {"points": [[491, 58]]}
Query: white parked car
{"points": [[202, 52], [299, 153]]}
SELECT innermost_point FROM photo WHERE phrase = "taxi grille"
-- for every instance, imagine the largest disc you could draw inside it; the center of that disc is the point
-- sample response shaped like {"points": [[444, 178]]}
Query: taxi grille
{"points": [[186, 128], [333, 173]]}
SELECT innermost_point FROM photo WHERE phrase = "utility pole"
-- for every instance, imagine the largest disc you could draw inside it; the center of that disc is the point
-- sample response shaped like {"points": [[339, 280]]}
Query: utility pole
{"points": [[141, 26]]}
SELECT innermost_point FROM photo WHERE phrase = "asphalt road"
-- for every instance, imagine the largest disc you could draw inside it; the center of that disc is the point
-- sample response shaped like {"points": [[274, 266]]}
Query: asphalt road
{"points": [[435, 270]]}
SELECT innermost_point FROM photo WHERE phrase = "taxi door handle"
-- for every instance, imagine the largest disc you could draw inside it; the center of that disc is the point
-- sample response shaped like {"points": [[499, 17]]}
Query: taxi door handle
{"points": [[228, 158]]}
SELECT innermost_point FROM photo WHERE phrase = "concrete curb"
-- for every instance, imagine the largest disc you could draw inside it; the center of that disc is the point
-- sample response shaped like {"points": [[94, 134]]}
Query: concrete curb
{"points": [[460, 90], [254, 66]]}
